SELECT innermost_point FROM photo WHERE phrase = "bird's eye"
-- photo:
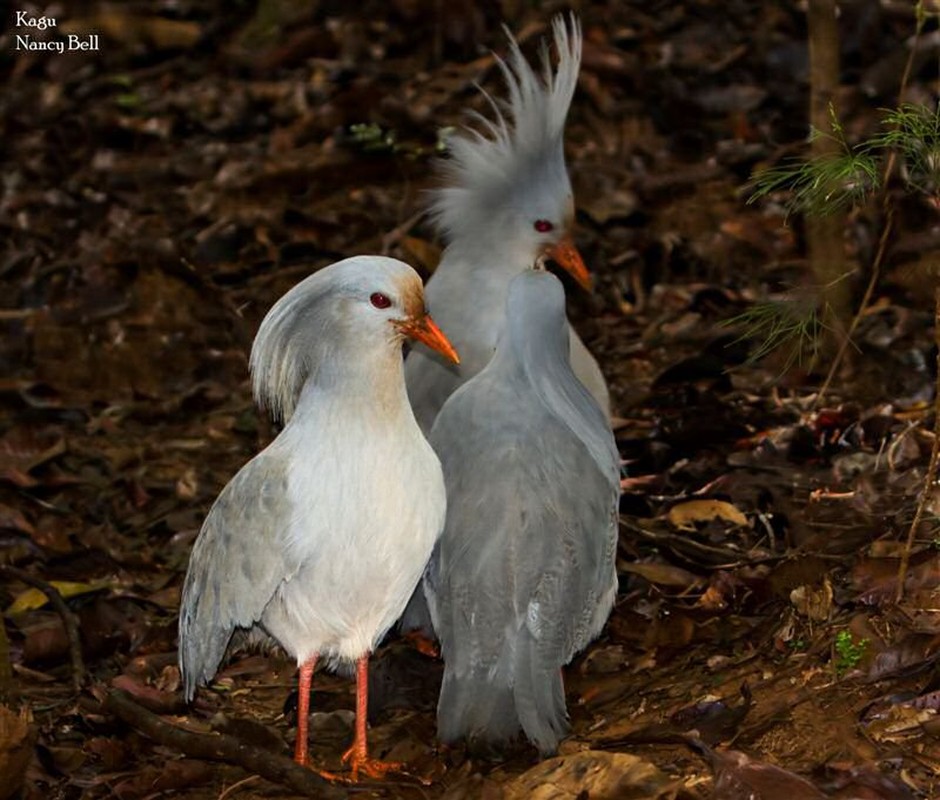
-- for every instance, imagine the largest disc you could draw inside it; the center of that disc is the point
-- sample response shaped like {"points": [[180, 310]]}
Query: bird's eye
{"points": [[543, 226], [380, 300]]}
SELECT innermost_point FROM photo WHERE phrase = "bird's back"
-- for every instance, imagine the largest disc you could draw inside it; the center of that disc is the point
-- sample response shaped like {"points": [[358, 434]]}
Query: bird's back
{"points": [[523, 576]]}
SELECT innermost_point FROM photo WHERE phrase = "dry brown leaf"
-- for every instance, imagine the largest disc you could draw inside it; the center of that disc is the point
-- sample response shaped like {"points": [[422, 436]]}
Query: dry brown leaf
{"points": [[899, 723], [23, 449], [593, 774], [13, 519], [150, 697], [739, 777], [814, 602], [125, 26], [112, 753], [685, 515], [17, 738], [172, 776], [661, 574], [421, 252]]}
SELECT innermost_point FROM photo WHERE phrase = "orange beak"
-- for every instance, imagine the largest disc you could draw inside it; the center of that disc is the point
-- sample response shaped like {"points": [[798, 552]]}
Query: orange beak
{"points": [[425, 330], [568, 257]]}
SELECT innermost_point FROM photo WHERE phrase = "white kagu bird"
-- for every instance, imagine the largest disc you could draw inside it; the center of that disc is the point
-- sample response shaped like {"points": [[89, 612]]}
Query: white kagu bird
{"points": [[508, 204], [321, 538], [523, 576]]}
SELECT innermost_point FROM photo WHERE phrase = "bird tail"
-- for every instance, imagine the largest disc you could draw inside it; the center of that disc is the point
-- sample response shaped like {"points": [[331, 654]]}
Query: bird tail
{"points": [[491, 705], [538, 696], [477, 708], [199, 653]]}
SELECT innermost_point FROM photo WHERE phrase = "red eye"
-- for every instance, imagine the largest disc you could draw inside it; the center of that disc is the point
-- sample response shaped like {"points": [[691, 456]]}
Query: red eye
{"points": [[380, 300], [543, 226]]}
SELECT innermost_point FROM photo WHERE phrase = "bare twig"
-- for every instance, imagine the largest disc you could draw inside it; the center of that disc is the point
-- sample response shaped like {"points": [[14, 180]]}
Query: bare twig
{"points": [[866, 299], [931, 476], [219, 747], [235, 787], [392, 238], [68, 620]]}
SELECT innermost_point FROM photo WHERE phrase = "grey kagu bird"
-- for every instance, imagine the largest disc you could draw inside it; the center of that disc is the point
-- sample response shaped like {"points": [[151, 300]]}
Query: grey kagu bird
{"points": [[508, 203], [523, 576], [320, 539]]}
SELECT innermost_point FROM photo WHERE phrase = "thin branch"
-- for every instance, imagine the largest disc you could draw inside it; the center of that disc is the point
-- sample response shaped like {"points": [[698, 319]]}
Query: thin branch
{"points": [[394, 236], [931, 475], [866, 299], [68, 619]]}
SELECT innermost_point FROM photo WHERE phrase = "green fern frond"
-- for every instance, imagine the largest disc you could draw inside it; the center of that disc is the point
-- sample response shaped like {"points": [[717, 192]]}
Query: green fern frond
{"points": [[773, 325], [822, 185]]}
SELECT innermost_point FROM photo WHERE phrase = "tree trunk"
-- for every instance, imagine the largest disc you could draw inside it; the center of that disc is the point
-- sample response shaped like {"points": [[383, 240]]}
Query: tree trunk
{"points": [[825, 234]]}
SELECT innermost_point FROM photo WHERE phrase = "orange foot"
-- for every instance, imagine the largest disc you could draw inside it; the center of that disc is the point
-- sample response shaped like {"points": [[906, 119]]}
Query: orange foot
{"points": [[423, 644], [373, 767]]}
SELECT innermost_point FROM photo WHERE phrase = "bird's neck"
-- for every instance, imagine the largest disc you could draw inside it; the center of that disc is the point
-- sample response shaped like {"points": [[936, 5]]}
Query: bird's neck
{"points": [[540, 361], [370, 383], [499, 256]]}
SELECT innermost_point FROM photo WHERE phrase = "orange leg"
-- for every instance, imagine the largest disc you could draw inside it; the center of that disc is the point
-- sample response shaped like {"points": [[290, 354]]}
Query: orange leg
{"points": [[304, 679], [357, 755]]}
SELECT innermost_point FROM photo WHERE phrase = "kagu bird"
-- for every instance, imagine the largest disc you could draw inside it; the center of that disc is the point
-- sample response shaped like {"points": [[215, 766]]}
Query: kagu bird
{"points": [[320, 539], [523, 576], [508, 204]]}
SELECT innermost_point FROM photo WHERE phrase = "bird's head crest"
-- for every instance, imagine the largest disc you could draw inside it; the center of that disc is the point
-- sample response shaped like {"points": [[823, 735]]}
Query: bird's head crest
{"points": [[522, 148]]}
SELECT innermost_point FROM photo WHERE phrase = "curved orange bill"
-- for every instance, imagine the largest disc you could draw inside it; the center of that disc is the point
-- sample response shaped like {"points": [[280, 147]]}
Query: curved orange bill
{"points": [[425, 330], [568, 257]]}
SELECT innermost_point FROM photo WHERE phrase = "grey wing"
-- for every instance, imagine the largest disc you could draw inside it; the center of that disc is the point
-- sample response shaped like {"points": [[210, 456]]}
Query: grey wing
{"points": [[236, 565], [588, 371], [571, 539]]}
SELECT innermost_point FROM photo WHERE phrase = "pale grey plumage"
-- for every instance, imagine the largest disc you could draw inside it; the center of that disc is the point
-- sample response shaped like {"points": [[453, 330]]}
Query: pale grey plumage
{"points": [[523, 576], [500, 182], [226, 588], [321, 538]]}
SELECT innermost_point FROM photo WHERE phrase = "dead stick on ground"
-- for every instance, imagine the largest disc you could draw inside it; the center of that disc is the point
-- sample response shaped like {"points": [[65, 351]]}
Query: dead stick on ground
{"points": [[68, 620], [237, 786], [219, 747]]}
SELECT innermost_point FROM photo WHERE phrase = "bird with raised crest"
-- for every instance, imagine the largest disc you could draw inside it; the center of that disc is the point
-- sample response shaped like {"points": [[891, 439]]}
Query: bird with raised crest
{"points": [[507, 203], [297, 545]]}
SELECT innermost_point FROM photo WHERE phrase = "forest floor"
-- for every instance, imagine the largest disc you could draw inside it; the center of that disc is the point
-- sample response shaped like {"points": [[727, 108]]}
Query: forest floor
{"points": [[161, 192]]}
